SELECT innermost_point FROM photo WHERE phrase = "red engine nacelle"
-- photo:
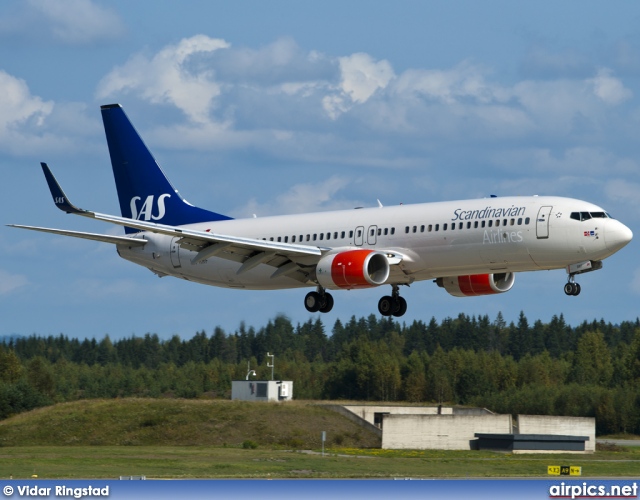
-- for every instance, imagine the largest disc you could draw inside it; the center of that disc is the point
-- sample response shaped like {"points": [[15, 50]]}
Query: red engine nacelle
{"points": [[477, 284], [353, 269]]}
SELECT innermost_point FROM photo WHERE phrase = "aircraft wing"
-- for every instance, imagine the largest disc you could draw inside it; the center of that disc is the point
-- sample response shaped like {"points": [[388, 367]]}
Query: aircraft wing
{"points": [[116, 240], [248, 251]]}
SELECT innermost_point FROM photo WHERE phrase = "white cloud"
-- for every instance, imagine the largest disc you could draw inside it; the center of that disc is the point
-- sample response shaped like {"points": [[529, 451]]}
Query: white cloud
{"points": [[303, 198], [623, 191], [74, 22], [609, 89], [168, 78], [23, 114], [362, 76], [449, 86], [10, 282], [583, 161]]}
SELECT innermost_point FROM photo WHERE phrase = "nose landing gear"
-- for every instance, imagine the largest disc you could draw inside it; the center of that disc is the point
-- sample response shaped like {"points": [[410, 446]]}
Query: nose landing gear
{"points": [[572, 288]]}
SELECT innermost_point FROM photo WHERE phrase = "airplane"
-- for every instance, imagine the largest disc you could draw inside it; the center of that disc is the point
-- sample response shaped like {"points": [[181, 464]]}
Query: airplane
{"points": [[468, 247]]}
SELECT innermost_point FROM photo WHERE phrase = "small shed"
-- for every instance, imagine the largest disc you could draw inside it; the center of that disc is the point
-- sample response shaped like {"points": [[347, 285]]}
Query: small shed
{"points": [[262, 390]]}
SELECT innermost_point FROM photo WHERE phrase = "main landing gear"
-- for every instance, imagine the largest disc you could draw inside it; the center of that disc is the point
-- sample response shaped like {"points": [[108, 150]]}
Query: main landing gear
{"points": [[392, 305], [319, 300], [389, 305]]}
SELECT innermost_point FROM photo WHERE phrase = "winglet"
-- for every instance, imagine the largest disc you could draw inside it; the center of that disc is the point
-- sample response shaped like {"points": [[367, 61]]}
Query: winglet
{"points": [[59, 198]]}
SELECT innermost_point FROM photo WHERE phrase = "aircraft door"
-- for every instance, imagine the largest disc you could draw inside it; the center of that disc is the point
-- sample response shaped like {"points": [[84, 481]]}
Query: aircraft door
{"points": [[358, 236], [542, 222], [174, 252], [372, 234]]}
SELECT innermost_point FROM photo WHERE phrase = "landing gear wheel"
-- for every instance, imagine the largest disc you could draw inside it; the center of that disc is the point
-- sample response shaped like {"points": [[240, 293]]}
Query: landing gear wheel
{"points": [[572, 289], [386, 305], [312, 302], [327, 303], [400, 307]]}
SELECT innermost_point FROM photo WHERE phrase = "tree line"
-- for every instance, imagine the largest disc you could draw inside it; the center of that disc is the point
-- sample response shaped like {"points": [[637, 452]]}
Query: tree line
{"points": [[592, 369]]}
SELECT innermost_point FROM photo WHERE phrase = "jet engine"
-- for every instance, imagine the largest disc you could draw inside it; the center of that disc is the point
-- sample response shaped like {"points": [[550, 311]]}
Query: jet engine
{"points": [[353, 269], [477, 284]]}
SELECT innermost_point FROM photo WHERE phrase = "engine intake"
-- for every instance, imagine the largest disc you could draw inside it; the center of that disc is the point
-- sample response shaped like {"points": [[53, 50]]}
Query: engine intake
{"points": [[477, 284], [353, 269]]}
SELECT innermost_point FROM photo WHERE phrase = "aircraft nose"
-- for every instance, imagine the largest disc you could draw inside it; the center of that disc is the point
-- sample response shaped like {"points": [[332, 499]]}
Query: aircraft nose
{"points": [[617, 235]]}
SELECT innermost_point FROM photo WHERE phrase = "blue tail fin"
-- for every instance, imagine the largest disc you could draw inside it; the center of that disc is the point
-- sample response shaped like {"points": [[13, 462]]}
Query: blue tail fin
{"points": [[144, 191]]}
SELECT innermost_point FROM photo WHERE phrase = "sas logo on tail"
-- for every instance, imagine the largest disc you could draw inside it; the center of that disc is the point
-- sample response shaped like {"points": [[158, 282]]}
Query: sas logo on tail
{"points": [[146, 210]]}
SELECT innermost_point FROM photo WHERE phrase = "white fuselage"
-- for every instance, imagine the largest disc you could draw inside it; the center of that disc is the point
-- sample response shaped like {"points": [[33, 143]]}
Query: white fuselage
{"points": [[453, 238]]}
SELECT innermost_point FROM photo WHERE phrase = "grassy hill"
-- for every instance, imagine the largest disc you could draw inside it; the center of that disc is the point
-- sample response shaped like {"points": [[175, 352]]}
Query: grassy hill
{"points": [[180, 422]]}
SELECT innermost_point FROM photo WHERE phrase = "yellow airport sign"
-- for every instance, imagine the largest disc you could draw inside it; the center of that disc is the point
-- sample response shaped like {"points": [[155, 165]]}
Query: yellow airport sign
{"points": [[564, 470]]}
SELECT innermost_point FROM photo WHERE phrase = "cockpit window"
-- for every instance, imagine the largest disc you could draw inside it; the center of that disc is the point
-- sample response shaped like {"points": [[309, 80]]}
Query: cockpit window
{"points": [[582, 216]]}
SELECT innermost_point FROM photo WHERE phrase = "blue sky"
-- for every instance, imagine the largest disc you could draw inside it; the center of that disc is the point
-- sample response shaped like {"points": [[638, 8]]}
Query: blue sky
{"points": [[287, 107]]}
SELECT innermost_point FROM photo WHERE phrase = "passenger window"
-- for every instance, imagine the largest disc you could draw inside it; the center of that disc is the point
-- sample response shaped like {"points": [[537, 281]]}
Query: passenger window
{"points": [[379, 231], [308, 237], [328, 236], [526, 221], [359, 233], [497, 222], [286, 239], [437, 227], [453, 226], [335, 235], [271, 239], [475, 224], [422, 229], [415, 228], [406, 229], [350, 234], [393, 230], [444, 227], [483, 223], [342, 235], [469, 225], [430, 227], [386, 231], [279, 239], [315, 237], [321, 236], [460, 225], [490, 224], [520, 221]]}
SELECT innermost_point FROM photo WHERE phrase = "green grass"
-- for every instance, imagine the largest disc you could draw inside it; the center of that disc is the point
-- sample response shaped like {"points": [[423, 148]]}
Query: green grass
{"points": [[214, 439], [181, 462], [180, 422]]}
